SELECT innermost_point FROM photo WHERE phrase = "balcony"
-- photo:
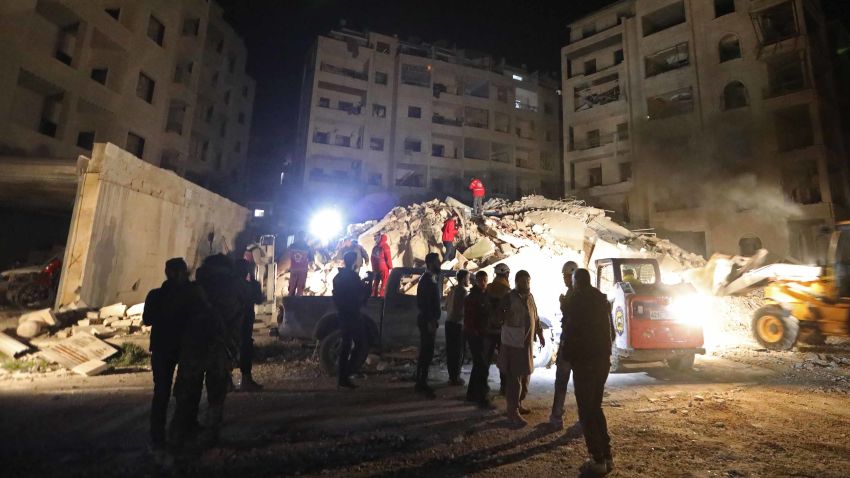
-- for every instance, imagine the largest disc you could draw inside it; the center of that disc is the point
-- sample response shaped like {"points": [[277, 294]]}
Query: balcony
{"points": [[359, 75], [785, 88], [440, 119], [598, 142]]}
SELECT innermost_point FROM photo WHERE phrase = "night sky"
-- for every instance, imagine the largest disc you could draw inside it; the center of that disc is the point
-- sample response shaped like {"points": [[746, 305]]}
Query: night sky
{"points": [[278, 34]]}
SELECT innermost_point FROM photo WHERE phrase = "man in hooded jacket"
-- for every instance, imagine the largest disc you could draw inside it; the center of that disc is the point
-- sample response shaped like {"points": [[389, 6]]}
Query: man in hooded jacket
{"points": [[382, 263], [349, 294]]}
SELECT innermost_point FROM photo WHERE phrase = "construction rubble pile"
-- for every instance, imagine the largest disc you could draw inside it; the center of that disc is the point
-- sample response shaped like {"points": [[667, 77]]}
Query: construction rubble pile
{"points": [[534, 233], [74, 338]]}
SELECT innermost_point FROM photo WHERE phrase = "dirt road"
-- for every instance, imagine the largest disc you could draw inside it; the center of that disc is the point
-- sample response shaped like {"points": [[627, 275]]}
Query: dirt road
{"points": [[743, 413]]}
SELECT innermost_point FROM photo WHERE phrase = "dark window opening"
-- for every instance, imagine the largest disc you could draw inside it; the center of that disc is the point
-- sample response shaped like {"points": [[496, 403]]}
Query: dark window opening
{"points": [[671, 104], [723, 7], [113, 12], [376, 144], [412, 146], [145, 87], [778, 23], [156, 30], [99, 75], [618, 57], [321, 137], [785, 75], [590, 67], [85, 140], [735, 96], [324, 102], [383, 47], [191, 26], [625, 171], [729, 48], [414, 112], [594, 176], [380, 78], [379, 111], [667, 60], [135, 145]]}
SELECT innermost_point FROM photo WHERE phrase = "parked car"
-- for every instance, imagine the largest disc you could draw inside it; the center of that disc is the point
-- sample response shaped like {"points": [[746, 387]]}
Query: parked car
{"points": [[32, 286], [391, 320]]}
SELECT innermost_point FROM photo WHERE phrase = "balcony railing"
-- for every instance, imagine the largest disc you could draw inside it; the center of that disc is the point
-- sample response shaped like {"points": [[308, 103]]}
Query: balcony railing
{"points": [[360, 75], [592, 143], [785, 88], [525, 106], [439, 119]]}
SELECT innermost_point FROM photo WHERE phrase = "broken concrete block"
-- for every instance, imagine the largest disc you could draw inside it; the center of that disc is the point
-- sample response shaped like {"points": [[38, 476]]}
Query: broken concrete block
{"points": [[122, 324], [84, 322], [92, 314], [137, 309], [91, 368], [78, 349], [114, 310], [31, 328], [11, 347], [136, 322], [43, 315], [483, 247]]}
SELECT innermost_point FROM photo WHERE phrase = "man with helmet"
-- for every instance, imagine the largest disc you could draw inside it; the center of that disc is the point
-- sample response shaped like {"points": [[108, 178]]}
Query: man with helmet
{"points": [[562, 375], [496, 291]]}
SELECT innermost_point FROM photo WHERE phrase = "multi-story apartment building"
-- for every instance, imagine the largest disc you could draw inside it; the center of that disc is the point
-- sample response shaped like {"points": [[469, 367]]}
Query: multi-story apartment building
{"points": [[419, 120], [163, 79], [711, 121]]}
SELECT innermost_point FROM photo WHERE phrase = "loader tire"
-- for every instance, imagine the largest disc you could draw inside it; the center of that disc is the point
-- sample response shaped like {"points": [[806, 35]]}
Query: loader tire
{"points": [[682, 363], [774, 329], [329, 354]]}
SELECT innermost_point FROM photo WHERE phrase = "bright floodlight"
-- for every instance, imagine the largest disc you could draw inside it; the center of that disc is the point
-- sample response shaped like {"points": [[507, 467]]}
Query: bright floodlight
{"points": [[326, 224]]}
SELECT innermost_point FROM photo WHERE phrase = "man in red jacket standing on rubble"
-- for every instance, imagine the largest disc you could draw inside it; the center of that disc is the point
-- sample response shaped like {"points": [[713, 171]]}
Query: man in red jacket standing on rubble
{"points": [[382, 262], [477, 188], [449, 235]]}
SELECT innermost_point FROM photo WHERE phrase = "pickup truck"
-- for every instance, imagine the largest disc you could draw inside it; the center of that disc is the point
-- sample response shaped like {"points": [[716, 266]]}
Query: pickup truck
{"points": [[391, 320]]}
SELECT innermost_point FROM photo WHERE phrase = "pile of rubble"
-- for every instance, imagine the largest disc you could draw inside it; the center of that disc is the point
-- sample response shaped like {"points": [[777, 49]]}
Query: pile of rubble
{"points": [[74, 337], [534, 233]]}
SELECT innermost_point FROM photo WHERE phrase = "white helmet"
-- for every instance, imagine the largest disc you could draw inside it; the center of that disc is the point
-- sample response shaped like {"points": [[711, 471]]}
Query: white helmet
{"points": [[502, 269], [569, 268]]}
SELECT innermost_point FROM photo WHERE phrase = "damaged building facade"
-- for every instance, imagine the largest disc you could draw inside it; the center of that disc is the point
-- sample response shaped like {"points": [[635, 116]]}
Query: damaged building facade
{"points": [[420, 120], [712, 121], [164, 80]]}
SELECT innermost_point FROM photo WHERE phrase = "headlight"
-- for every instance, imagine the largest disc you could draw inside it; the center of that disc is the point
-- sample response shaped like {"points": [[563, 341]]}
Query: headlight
{"points": [[689, 309]]}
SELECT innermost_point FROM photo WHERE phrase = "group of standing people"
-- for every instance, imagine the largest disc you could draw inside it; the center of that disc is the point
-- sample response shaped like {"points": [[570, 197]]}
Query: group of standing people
{"points": [[202, 329], [495, 318]]}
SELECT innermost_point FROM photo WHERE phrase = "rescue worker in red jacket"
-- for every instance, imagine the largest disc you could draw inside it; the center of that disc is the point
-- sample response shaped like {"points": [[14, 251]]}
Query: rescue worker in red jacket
{"points": [[382, 263], [477, 188], [300, 256], [449, 235]]}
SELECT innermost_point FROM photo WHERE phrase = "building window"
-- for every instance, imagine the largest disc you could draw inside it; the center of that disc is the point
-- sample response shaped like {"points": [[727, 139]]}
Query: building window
{"points": [[414, 112], [618, 57], [376, 144], [156, 30], [85, 140], [670, 104], [380, 78], [723, 7], [593, 138], [342, 140], [594, 176], [176, 115], [113, 12], [379, 111], [623, 131], [66, 43], [729, 48], [590, 67], [99, 75], [324, 102], [625, 171], [241, 118], [321, 137], [191, 27], [777, 23], [145, 87], [786, 74], [412, 146], [667, 60], [547, 108], [383, 47], [663, 18], [735, 96], [588, 30], [416, 75], [135, 145]]}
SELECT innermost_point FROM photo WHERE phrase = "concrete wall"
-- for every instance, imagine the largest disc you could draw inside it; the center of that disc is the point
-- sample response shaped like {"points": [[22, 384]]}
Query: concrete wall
{"points": [[129, 218]]}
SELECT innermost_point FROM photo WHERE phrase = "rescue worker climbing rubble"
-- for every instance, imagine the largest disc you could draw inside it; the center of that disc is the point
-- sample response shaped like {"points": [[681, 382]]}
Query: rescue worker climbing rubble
{"points": [[449, 235], [477, 188], [300, 257]]}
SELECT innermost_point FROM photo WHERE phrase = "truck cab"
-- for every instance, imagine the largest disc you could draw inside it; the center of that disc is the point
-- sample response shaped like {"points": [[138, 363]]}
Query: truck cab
{"points": [[652, 322]]}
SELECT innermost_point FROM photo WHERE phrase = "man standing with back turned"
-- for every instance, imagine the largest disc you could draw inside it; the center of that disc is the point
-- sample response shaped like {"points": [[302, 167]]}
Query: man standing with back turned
{"points": [[428, 300], [562, 375], [349, 293], [477, 188], [587, 346]]}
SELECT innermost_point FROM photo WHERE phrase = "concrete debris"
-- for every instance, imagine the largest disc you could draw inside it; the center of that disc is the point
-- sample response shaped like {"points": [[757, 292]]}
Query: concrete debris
{"points": [[91, 368], [136, 310], [30, 329], [534, 233], [11, 347], [77, 350], [44, 315], [114, 310]]}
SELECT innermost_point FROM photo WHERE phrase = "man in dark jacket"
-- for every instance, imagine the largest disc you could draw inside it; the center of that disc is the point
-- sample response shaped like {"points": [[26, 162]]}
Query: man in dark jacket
{"points": [[587, 346], [210, 348], [475, 314], [428, 301], [254, 294], [167, 310], [562, 375], [349, 293]]}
